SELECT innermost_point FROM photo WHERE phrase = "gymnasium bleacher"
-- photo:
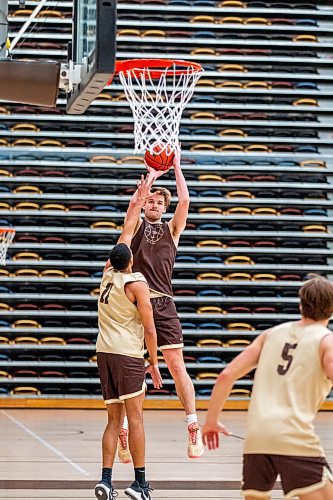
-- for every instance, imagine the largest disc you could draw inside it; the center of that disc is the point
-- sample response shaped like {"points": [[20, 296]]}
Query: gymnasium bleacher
{"points": [[257, 154]]}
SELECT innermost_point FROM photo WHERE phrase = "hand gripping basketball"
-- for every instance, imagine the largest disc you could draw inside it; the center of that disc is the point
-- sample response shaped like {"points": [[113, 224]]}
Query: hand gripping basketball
{"points": [[159, 157]]}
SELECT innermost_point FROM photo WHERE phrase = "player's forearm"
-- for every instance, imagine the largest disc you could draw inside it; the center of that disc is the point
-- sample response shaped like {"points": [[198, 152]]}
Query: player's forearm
{"points": [[182, 190], [221, 391], [151, 344]]}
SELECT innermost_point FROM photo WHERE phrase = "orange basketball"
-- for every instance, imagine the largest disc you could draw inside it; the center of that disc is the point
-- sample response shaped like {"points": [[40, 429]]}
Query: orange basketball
{"points": [[159, 160]]}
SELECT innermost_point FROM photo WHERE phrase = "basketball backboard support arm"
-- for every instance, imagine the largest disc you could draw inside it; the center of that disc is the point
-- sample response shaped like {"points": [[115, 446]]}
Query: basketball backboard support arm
{"points": [[3, 27], [93, 54]]}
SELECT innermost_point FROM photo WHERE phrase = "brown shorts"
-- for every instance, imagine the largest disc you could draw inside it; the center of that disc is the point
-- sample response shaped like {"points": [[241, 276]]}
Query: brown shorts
{"points": [[167, 324], [299, 475], [122, 377]]}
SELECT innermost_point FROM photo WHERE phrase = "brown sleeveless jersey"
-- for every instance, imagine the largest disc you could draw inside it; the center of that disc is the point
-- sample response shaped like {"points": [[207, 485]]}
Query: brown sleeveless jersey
{"points": [[154, 253]]}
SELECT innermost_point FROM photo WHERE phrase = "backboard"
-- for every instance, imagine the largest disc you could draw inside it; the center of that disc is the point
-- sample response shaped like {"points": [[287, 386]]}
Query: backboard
{"points": [[93, 50]]}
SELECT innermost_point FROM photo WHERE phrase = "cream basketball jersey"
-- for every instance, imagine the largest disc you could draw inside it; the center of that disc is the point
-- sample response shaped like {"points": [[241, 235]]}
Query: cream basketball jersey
{"points": [[289, 387], [120, 327]]}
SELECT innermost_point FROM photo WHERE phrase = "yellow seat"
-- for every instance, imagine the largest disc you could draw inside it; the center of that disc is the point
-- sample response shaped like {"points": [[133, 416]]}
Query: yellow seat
{"points": [[203, 19], [231, 20], [4, 111], [257, 20], [257, 147], [32, 273], [210, 310], [203, 115], [238, 343], [257, 85], [210, 243], [25, 391], [154, 32], [50, 13], [238, 210], [5, 307], [5, 172], [313, 163], [93, 359], [104, 224], [305, 38], [203, 51], [28, 189], [305, 101], [209, 343], [230, 84], [264, 277], [240, 326], [132, 159], [21, 13], [232, 131], [239, 259], [103, 159], [232, 3], [26, 340], [29, 127], [265, 211], [211, 177], [104, 96], [203, 147], [4, 340], [129, 32], [231, 147], [5, 206], [26, 205], [5, 374], [238, 277], [50, 143], [207, 376], [26, 323], [210, 210], [95, 291], [54, 206], [240, 194], [315, 228], [53, 340], [27, 256], [54, 273], [232, 67], [24, 142], [205, 82], [209, 276], [240, 392]]}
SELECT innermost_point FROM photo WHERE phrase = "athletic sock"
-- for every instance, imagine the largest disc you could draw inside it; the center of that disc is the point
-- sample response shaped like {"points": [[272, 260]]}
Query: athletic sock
{"points": [[140, 475], [125, 423], [191, 419], [107, 475]]}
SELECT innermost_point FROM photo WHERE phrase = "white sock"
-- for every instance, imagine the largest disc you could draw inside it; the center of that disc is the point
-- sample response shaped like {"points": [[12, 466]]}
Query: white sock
{"points": [[125, 423], [191, 418]]}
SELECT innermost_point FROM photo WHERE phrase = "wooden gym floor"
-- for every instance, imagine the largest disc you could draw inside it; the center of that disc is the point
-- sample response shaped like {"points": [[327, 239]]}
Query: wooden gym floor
{"points": [[55, 454]]}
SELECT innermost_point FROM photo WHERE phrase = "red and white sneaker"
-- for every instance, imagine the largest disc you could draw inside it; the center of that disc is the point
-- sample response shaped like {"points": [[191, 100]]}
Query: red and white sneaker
{"points": [[195, 445], [124, 453]]}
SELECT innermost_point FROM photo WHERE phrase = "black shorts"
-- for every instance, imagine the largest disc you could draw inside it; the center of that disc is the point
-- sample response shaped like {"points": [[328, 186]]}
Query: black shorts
{"points": [[167, 324], [299, 475], [122, 377]]}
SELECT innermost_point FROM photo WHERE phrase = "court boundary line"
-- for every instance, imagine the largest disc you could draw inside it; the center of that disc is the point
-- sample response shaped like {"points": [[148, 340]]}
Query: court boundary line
{"points": [[46, 444], [176, 484]]}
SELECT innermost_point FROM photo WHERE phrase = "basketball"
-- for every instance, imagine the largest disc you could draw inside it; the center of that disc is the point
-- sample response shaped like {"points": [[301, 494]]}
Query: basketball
{"points": [[159, 160]]}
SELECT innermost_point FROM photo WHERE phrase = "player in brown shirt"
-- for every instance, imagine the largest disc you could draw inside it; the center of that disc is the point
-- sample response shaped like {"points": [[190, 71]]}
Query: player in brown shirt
{"points": [[154, 247]]}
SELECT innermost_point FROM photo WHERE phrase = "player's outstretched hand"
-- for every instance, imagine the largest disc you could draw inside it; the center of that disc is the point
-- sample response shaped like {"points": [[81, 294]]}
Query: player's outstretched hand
{"points": [[210, 434], [154, 174], [155, 376]]}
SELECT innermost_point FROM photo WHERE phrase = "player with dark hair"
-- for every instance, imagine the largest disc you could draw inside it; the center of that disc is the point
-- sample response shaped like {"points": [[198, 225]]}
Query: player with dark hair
{"points": [[125, 319], [154, 246], [294, 374]]}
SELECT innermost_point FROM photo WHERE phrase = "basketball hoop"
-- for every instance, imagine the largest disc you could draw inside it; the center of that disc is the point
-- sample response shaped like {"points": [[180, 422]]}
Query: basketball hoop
{"points": [[6, 238], [157, 91]]}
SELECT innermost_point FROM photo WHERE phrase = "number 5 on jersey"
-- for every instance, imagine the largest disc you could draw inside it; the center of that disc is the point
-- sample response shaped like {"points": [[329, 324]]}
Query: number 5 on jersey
{"points": [[287, 355]]}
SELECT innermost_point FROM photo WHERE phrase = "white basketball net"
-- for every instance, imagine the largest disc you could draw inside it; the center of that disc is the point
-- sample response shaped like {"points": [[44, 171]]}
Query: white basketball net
{"points": [[158, 103], [6, 238]]}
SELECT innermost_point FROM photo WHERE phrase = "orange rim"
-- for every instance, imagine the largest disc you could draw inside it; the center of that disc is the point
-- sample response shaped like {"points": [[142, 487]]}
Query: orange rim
{"points": [[7, 230], [160, 66]]}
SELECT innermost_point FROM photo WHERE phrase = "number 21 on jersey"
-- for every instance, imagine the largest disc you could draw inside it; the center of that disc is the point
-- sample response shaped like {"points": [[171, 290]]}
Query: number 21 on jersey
{"points": [[104, 299]]}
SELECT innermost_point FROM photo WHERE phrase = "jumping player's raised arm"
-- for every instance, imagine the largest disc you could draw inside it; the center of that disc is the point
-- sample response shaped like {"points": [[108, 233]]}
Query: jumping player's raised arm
{"points": [[134, 210], [178, 221]]}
